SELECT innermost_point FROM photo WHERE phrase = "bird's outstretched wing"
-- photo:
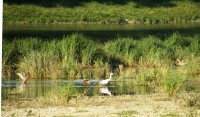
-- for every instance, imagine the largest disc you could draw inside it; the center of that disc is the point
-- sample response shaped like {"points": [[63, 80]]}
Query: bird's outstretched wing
{"points": [[20, 75]]}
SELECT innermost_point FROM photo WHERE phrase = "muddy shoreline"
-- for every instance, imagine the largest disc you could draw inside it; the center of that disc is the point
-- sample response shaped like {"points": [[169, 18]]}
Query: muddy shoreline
{"points": [[153, 105]]}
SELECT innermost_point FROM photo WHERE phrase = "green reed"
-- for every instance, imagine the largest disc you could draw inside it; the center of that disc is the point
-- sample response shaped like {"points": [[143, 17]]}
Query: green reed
{"points": [[148, 60], [124, 49], [51, 58], [173, 83], [60, 95]]}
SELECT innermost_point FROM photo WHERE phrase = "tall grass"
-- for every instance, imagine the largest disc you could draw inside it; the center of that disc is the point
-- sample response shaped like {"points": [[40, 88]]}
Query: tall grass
{"points": [[122, 49], [76, 50], [173, 83], [54, 58], [148, 60], [60, 95]]}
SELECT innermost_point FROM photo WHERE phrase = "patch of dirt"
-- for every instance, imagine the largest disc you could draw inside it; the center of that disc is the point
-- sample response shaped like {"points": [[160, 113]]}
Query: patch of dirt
{"points": [[102, 106]]}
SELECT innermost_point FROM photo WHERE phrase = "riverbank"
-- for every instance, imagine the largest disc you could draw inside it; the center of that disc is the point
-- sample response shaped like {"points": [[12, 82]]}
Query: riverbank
{"points": [[103, 13], [153, 105], [149, 61]]}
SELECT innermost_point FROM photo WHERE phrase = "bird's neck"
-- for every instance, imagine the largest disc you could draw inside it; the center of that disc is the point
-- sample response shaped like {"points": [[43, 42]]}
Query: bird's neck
{"points": [[110, 76]]}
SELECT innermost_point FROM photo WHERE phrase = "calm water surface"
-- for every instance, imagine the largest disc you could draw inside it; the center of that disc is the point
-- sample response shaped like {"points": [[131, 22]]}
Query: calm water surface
{"points": [[14, 89], [100, 33]]}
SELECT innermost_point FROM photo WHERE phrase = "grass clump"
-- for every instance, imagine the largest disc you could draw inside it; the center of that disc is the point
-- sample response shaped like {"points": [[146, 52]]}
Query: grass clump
{"points": [[78, 51], [169, 115], [173, 83], [128, 113], [121, 49], [61, 95]]}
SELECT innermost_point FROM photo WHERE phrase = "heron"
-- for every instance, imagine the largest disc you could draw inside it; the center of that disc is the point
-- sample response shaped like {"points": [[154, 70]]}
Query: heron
{"points": [[24, 78], [105, 82]]}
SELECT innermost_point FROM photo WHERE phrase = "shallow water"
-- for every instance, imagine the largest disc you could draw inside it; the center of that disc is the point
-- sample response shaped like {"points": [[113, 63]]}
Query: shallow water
{"points": [[14, 89]]}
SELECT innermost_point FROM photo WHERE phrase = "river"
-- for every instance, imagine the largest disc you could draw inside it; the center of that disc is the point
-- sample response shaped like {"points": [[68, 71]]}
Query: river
{"points": [[99, 33], [102, 33]]}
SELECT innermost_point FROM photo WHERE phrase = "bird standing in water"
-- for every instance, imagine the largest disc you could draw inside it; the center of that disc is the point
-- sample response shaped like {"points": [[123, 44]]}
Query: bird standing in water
{"points": [[24, 78], [86, 82], [105, 82]]}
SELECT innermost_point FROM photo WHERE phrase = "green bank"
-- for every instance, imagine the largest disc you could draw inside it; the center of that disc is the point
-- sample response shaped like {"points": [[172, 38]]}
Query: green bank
{"points": [[149, 61], [101, 12]]}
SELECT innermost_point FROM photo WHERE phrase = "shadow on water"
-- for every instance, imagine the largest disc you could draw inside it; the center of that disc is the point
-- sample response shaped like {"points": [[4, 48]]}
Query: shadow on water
{"points": [[101, 33]]}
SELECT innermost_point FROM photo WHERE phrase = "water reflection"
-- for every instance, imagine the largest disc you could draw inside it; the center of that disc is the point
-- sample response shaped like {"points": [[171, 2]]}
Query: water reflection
{"points": [[104, 90], [36, 88], [21, 88]]}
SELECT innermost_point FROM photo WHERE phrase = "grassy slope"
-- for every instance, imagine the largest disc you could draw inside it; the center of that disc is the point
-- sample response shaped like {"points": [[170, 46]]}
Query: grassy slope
{"points": [[94, 12]]}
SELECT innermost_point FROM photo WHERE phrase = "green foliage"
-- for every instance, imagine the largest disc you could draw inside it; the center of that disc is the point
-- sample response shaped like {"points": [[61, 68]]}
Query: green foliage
{"points": [[173, 83], [53, 58], [77, 47], [150, 59], [169, 115], [128, 113], [146, 76], [101, 12], [61, 94], [123, 49], [178, 46]]}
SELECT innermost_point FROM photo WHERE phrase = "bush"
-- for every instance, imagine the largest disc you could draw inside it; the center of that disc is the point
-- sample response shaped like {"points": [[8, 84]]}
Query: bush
{"points": [[61, 94], [172, 83]]}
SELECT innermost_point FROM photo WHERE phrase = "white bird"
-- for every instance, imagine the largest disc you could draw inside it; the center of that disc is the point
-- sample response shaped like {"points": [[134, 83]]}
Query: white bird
{"points": [[105, 82], [24, 78]]}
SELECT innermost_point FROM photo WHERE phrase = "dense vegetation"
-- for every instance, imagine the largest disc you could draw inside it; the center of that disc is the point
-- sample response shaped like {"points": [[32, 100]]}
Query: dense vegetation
{"points": [[100, 11], [150, 61]]}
